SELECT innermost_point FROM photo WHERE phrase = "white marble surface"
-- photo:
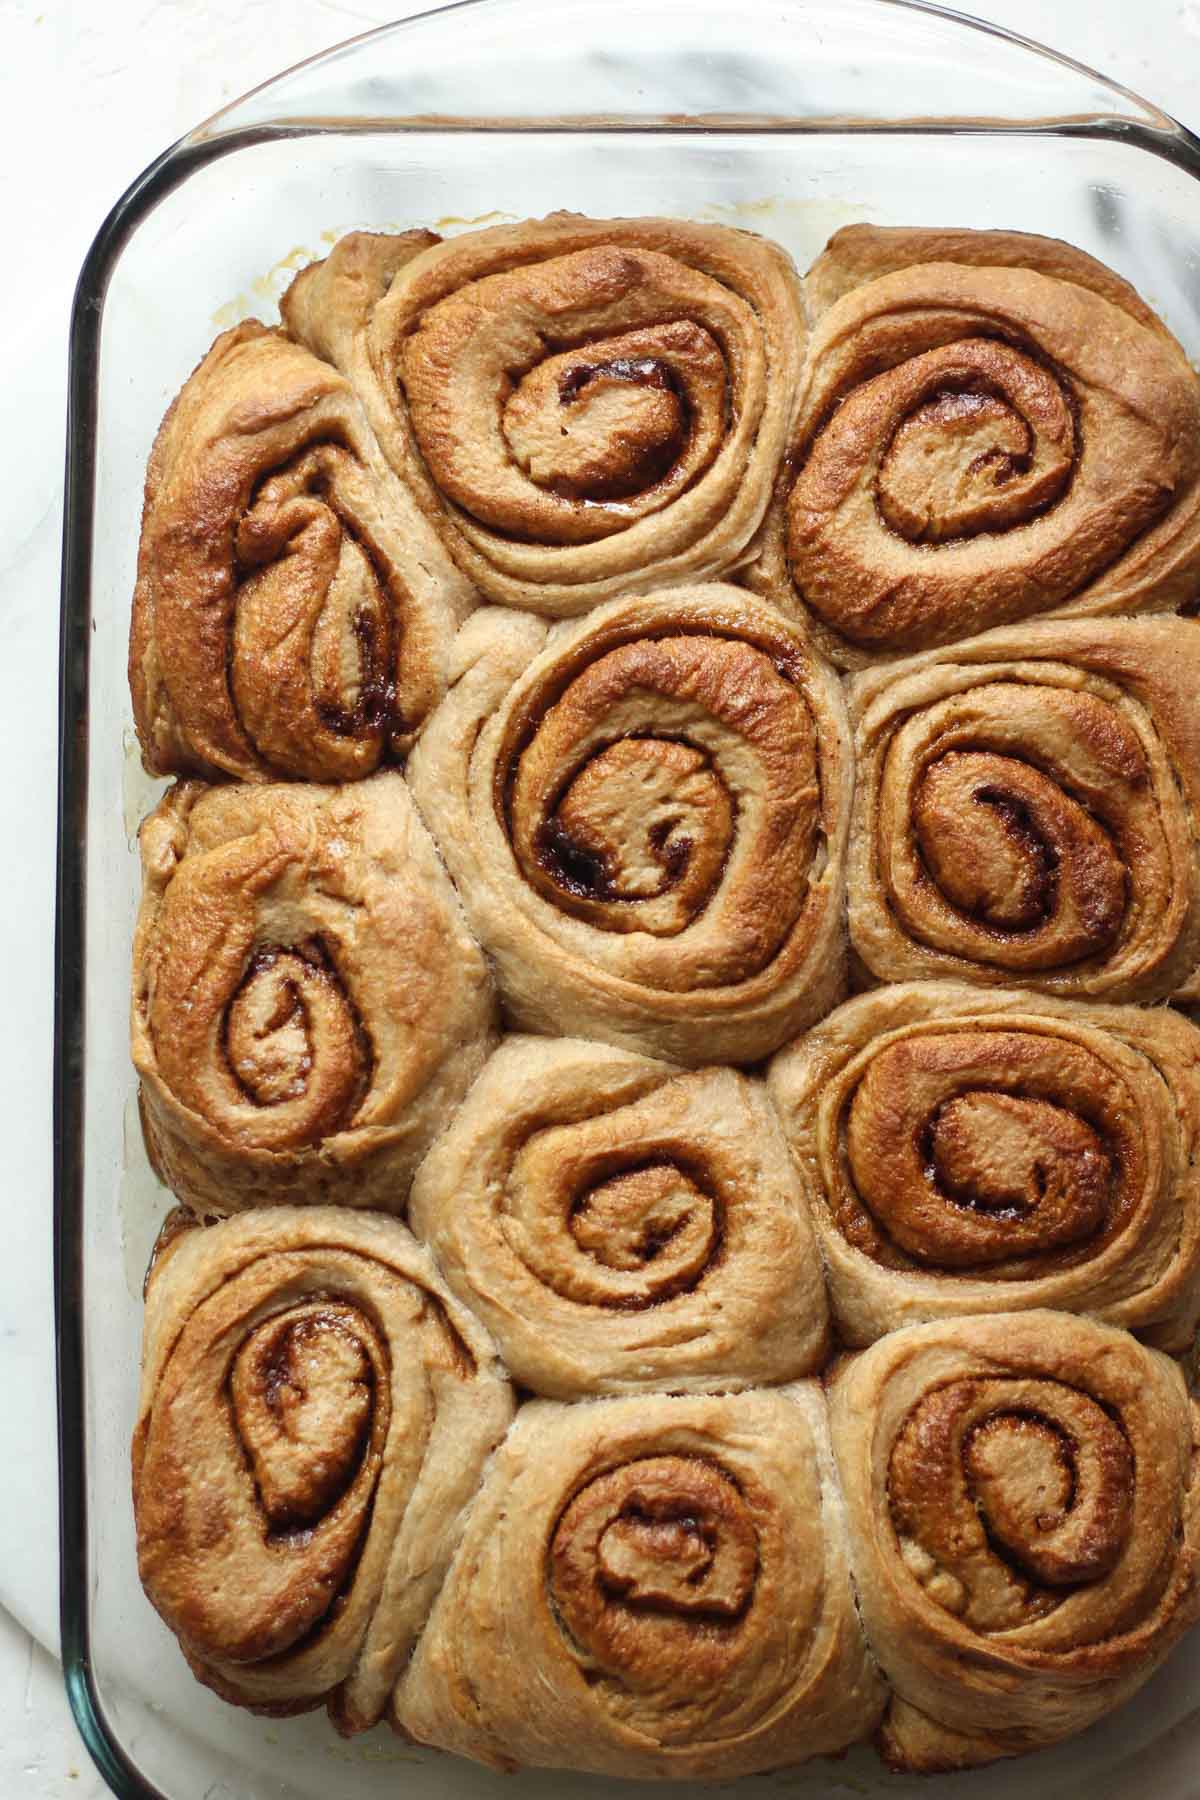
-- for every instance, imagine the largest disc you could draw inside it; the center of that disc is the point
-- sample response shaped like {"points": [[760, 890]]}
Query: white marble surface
{"points": [[88, 95]]}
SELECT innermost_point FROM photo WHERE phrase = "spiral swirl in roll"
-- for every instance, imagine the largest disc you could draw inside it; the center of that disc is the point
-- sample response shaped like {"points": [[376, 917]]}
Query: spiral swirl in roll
{"points": [[292, 609], [992, 425], [307, 1002], [315, 1413], [975, 1152], [1026, 810], [647, 821], [1023, 1523], [650, 1587], [582, 408], [619, 1226]]}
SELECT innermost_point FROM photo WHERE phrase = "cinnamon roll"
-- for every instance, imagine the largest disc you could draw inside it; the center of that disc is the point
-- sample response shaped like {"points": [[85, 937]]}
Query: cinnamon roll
{"points": [[1022, 1507], [292, 608], [1026, 811], [315, 1414], [975, 1152], [618, 1225], [647, 821], [650, 1587], [582, 408], [991, 425], [308, 1005]]}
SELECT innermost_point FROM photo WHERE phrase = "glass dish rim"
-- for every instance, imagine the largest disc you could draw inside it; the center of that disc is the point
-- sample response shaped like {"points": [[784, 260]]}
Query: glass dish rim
{"points": [[1138, 122]]}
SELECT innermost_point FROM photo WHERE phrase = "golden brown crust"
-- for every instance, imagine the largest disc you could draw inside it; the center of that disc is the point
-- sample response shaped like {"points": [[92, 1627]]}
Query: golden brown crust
{"points": [[1023, 1521], [667, 1567], [647, 821], [1026, 811], [648, 1587], [581, 408], [291, 611], [315, 1413], [330, 303], [308, 1006], [991, 426], [971, 1151], [860, 253], [621, 1226]]}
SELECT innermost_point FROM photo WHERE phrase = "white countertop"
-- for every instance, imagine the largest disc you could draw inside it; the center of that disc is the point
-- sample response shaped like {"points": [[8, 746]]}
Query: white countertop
{"points": [[89, 94]]}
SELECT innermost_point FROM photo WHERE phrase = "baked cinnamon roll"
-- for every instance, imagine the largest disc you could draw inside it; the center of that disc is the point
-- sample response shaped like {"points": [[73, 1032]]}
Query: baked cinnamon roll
{"points": [[582, 408], [1026, 811], [619, 1226], [1022, 1506], [647, 821], [292, 608], [972, 1152], [650, 1587], [315, 1414], [992, 425], [308, 1005]]}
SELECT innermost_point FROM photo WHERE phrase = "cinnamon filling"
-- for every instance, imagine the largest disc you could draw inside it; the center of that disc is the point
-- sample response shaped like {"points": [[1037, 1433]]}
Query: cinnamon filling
{"points": [[303, 1393], [1011, 849], [652, 1221], [312, 664], [989, 1149], [666, 1535], [1007, 1493], [291, 1037]]}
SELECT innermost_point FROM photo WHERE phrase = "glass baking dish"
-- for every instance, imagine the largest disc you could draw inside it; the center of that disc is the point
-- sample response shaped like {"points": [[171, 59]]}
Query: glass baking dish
{"points": [[790, 117]]}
